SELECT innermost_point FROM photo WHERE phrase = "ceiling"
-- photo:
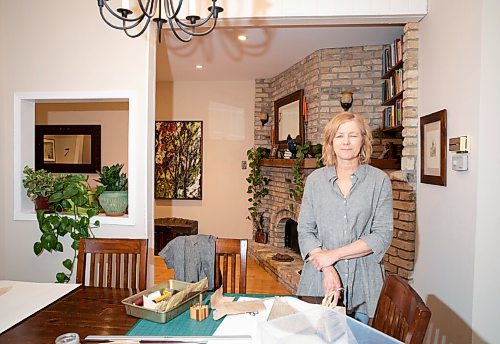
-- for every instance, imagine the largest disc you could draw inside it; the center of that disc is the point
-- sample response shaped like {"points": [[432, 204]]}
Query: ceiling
{"points": [[267, 52]]}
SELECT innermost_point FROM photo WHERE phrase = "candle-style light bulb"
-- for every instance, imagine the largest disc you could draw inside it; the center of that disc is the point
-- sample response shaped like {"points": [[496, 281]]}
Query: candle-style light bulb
{"points": [[126, 4]]}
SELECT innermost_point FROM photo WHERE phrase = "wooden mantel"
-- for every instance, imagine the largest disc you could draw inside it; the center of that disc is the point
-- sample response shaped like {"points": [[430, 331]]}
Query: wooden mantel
{"points": [[288, 163], [383, 164]]}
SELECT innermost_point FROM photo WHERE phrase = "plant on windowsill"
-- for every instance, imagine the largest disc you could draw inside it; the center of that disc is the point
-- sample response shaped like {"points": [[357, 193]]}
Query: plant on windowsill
{"points": [[298, 178], [257, 188], [39, 187], [112, 193], [70, 192]]}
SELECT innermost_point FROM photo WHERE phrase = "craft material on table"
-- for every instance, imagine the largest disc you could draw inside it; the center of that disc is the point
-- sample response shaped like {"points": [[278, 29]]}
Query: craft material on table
{"points": [[19, 306], [223, 305]]}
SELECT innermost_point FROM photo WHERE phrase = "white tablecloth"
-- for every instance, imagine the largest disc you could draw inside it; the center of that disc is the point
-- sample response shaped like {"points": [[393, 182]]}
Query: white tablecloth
{"points": [[25, 298]]}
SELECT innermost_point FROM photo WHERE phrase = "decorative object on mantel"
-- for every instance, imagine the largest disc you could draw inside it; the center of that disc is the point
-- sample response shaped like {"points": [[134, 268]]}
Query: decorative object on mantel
{"points": [[70, 192], [39, 187], [282, 257], [292, 146], [166, 14], [178, 160], [346, 100], [257, 188], [113, 194]]}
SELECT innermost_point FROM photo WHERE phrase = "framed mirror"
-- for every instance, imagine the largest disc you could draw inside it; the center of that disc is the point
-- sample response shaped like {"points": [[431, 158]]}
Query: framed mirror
{"points": [[68, 148], [289, 119]]}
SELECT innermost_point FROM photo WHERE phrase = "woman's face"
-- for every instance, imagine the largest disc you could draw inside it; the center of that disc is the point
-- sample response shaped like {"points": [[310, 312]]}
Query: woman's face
{"points": [[347, 141]]}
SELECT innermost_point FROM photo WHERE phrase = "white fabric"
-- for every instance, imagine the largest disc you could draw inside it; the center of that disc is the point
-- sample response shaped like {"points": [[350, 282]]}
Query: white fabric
{"points": [[25, 298]]}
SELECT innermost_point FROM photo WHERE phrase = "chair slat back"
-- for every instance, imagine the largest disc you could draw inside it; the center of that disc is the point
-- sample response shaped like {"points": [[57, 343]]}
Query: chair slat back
{"points": [[400, 312], [109, 263], [226, 253]]}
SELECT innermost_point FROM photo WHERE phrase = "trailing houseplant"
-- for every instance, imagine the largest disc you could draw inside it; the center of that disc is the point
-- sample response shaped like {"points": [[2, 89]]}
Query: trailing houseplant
{"points": [[297, 191], [112, 193], [70, 192], [257, 188], [39, 187]]}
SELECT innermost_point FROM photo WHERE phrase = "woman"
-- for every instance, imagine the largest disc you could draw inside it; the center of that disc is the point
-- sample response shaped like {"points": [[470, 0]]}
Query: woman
{"points": [[345, 222]]}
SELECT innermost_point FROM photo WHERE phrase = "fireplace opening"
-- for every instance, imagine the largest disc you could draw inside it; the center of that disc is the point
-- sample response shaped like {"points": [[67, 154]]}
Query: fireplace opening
{"points": [[292, 236]]}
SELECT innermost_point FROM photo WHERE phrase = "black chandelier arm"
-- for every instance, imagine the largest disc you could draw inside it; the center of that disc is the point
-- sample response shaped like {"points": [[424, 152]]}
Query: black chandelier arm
{"points": [[135, 35], [123, 27], [150, 5], [121, 17], [188, 25], [194, 33], [169, 9], [174, 31]]}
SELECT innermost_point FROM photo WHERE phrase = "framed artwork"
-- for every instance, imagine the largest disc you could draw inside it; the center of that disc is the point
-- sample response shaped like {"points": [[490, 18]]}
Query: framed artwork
{"points": [[49, 150], [178, 159], [433, 148]]}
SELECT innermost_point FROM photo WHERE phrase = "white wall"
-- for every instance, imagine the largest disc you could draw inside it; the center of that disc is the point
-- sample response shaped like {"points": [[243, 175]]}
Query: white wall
{"points": [[46, 50], [227, 110], [454, 224], [486, 297]]}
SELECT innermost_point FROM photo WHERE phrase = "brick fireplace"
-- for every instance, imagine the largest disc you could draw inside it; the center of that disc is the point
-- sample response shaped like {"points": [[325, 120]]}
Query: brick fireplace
{"points": [[323, 75]]}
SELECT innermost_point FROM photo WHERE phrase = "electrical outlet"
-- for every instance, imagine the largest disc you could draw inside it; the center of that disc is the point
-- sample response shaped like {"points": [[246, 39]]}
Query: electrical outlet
{"points": [[244, 165]]}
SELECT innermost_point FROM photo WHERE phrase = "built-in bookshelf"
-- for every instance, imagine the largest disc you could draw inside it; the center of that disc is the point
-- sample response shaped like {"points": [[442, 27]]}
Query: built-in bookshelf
{"points": [[392, 87]]}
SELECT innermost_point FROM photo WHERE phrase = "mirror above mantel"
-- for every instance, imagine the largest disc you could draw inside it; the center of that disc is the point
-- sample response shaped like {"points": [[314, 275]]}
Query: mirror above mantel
{"points": [[289, 119]]}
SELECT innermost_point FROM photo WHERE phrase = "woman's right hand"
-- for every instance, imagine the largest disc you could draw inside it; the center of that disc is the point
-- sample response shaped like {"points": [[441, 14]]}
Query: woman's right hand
{"points": [[331, 283]]}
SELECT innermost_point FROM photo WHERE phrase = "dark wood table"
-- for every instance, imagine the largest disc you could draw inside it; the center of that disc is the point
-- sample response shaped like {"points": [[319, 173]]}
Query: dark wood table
{"points": [[85, 310]]}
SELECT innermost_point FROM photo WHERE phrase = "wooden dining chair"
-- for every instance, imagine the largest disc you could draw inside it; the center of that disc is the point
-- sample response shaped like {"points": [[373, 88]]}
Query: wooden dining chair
{"points": [[400, 312], [114, 263], [226, 251]]}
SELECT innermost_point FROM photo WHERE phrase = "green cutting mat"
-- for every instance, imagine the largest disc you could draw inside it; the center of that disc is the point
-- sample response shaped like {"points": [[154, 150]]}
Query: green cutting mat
{"points": [[182, 325]]}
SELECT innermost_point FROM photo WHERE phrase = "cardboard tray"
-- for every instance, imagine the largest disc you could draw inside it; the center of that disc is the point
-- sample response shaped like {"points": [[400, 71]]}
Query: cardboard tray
{"points": [[158, 316]]}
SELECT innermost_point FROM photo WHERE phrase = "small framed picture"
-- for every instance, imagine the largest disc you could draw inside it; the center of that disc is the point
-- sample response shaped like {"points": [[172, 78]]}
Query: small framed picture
{"points": [[49, 150], [433, 148]]}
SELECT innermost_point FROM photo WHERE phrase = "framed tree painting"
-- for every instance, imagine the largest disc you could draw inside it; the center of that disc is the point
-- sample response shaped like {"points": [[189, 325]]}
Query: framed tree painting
{"points": [[433, 148], [178, 159]]}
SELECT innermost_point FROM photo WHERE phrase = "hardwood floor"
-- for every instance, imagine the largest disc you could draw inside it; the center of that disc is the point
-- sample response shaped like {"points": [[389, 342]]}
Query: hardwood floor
{"points": [[259, 281]]}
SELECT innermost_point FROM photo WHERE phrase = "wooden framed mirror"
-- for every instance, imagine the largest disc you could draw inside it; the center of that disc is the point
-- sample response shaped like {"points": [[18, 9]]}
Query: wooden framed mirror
{"points": [[68, 148], [289, 118]]}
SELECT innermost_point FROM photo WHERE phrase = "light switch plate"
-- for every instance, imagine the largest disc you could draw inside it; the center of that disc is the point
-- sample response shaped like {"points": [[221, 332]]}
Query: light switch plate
{"points": [[460, 162]]}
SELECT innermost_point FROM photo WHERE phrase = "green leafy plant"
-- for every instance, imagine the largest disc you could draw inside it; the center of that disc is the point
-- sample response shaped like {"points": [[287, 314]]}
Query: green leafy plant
{"points": [[257, 186], [70, 192], [297, 191], [111, 179], [38, 183]]}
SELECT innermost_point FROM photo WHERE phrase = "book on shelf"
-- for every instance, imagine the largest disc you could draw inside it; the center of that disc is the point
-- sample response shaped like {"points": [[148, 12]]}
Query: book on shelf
{"points": [[393, 85], [392, 55], [392, 116]]}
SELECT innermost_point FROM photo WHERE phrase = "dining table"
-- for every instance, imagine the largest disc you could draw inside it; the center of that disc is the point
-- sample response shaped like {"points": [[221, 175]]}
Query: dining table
{"points": [[99, 312], [85, 310]]}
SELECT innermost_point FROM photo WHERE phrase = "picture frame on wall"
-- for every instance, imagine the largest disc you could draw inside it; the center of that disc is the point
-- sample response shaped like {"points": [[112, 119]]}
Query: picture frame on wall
{"points": [[178, 160], [433, 148], [49, 150]]}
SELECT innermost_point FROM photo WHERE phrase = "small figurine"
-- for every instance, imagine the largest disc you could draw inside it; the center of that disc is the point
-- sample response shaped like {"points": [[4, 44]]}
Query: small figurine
{"points": [[292, 146]]}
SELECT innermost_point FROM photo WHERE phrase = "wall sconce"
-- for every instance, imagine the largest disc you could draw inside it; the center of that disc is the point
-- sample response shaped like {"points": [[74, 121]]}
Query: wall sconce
{"points": [[346, 100], [264, 117]]}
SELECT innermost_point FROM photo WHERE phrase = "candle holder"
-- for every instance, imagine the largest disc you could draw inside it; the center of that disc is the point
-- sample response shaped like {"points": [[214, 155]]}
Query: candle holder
{"points": [[346, 100]]}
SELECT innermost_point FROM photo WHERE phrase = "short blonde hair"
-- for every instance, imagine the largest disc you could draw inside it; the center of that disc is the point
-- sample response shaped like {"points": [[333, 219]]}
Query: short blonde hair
{"points": [[328, 157]]}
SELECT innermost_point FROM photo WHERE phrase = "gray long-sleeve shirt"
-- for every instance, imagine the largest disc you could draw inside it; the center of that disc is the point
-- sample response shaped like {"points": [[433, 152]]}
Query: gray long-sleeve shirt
{"points": [[330, 220]]}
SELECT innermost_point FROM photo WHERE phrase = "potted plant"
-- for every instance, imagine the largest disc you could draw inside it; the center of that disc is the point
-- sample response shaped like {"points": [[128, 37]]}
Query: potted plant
{"points": [[39, 186], [70, 192], [112, 193], [257, 188]]}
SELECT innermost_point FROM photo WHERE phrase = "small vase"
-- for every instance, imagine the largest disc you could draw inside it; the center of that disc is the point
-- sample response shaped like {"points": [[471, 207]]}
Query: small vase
{"points": [[114, 203], [260, 236], [42, 203]]}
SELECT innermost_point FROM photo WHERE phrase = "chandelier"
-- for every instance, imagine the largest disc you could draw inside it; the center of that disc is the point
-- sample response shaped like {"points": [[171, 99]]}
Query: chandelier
{"points": [[167, 13]]}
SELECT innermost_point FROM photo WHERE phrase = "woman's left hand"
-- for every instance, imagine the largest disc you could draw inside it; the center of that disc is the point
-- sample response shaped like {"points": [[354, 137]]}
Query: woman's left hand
{"points": [[322, 259]]}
